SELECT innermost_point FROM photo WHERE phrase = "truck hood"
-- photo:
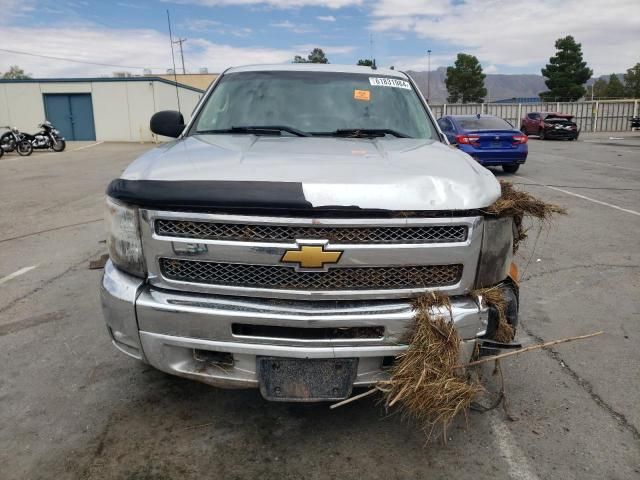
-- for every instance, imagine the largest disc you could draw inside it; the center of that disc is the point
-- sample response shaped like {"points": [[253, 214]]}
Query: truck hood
{"points": [[382, 173]]}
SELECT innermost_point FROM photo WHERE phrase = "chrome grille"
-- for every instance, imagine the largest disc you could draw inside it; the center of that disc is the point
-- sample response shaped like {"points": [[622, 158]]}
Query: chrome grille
{"points": [[278, 277], [289, 233]]}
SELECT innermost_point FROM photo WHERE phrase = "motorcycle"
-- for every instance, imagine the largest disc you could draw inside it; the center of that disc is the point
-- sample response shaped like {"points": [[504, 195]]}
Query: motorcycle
{"points": [[47, 138], [15, 140], [635, 123]]}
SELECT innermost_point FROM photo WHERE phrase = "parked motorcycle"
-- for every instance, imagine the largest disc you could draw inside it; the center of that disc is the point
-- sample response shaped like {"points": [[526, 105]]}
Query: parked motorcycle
{"points": [[48, 137], [15, 140]]}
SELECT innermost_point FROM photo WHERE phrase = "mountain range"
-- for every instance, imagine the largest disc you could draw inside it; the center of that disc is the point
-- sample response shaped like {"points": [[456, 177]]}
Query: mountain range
{"points": [[499, 86]]}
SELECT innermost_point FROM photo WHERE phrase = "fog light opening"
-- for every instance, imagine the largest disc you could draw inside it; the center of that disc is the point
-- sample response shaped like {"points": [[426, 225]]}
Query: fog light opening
{"points": [[214, 359], [388, 362]]}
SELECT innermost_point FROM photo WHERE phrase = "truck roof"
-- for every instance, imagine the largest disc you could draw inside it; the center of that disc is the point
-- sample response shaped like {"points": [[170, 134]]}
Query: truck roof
{"points": [[319, 67]]}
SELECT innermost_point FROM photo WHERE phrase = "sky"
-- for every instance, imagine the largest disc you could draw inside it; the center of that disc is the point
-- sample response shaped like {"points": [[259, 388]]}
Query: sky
{"points": [[515, 36]]}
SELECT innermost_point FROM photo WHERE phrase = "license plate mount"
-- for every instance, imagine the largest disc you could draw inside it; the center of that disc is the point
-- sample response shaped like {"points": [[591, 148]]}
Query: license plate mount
{"points": [[306, 380]]}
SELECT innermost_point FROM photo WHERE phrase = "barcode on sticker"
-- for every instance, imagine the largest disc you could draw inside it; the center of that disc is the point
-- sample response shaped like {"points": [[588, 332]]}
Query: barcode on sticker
{"points": [[389, 82]]}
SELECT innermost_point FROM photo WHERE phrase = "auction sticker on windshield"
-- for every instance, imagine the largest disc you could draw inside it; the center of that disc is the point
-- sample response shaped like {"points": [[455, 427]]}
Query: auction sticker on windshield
{"points": [[389, 82], [364, 95]]}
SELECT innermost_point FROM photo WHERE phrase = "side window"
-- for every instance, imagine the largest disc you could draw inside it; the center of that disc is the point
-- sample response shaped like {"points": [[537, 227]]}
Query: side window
{"points": [[445, 125]]}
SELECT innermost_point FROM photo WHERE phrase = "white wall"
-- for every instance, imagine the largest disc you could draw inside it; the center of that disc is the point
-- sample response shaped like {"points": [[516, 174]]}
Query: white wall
{"points": [[121, 109], [21, 107], [111, 111]]}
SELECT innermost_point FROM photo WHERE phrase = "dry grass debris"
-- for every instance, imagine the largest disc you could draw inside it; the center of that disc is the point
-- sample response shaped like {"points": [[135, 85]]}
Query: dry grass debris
{"points": [[424, 380], [494, 297], [519, 204], [427, 381]]}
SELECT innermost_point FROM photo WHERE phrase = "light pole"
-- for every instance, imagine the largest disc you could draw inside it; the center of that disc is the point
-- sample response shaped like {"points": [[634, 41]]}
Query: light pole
{"points": [[180, 41], [428, 75]]}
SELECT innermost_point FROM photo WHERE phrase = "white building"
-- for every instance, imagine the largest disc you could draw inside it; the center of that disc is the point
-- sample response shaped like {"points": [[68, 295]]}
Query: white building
{"points": [[107, 109]]}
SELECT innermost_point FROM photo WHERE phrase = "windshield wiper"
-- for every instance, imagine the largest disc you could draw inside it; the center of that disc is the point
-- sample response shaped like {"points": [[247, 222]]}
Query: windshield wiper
{"points": [[260, 130], [363, 133]]}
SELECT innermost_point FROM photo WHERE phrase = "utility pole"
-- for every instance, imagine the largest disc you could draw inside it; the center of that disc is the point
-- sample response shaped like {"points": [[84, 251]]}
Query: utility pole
{"points": [[180, 41], [428, 75]]}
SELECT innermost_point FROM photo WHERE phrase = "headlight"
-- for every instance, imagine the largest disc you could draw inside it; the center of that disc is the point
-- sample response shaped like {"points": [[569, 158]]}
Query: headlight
{"points": [[497, 251], [123, 238]]}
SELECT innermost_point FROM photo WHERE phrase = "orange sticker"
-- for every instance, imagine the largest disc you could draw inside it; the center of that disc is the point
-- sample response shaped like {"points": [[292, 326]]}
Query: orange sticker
{"points": [[364, 95]]}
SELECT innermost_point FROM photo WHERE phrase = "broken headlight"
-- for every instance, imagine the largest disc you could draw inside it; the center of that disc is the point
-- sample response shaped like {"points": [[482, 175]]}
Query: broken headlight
{"points": [[497, 251], [123, 238]]}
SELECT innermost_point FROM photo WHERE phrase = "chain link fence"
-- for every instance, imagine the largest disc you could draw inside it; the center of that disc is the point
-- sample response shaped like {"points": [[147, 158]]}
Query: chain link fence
{"points": [[591, 116]]}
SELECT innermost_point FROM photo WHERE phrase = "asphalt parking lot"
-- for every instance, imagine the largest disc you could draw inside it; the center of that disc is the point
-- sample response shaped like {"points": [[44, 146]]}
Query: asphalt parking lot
{"points": [[73, 407]]}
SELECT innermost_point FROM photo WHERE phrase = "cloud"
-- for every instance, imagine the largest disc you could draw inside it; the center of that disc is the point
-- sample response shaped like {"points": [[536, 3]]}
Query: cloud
{"points": [[142, 48], [514, 34], [132, 5], [410, 8], [294, 27], [15, 8], [199, 24], [419, 63], [327, 49], [326, 18], [205, 25], [280, 4]]}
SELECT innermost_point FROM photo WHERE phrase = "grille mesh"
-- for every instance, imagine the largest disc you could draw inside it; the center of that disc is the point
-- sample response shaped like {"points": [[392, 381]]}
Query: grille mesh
{"points": [[277, 277], [289, 233]]}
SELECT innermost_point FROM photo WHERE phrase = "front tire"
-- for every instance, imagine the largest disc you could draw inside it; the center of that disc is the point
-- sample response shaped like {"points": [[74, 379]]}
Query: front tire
{"points": [[510, 168], [59, 146], [24, 148], [541, 134]]}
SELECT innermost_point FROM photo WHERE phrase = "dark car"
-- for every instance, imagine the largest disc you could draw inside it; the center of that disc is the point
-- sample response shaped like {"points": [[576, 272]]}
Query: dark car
{"points": [[550, 125], [490, 140]]}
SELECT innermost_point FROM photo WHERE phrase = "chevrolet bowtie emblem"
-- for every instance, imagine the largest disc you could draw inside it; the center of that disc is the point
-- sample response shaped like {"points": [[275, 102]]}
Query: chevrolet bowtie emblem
{"points": [[311, 256]]}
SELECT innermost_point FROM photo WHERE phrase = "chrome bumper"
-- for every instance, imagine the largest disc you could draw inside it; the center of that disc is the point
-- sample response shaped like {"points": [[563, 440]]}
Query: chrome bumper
{"points": [[165, 328]]}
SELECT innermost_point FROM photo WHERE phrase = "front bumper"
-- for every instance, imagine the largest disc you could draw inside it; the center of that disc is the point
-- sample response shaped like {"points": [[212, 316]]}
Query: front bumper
{"points": [[168, 329], [561, 133]]}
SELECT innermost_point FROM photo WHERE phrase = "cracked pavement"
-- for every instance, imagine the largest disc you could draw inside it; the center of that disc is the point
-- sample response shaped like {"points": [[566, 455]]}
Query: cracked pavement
{"points": [[72, 407]]}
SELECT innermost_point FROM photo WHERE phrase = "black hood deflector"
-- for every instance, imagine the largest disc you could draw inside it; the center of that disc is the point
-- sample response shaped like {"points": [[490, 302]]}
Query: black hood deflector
{"points": [[245, 197]]}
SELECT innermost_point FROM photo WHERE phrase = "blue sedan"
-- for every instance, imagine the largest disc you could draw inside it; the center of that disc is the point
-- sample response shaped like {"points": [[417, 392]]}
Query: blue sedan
{"points": [[490, 140]]}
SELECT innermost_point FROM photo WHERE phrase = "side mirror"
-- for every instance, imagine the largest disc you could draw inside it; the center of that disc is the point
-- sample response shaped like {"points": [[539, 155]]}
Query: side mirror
{"points": [[168, 123]]}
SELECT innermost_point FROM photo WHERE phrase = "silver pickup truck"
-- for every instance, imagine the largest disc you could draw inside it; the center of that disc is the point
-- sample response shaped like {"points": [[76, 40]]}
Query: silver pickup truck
{"points": [[278, 242]]}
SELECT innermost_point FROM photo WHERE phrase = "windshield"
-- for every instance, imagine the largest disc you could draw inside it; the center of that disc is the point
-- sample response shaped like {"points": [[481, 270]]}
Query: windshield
{"points": [[484, 123], [318, 103]]}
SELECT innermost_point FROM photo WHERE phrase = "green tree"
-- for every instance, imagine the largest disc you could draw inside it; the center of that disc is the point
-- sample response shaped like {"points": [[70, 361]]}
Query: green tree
{"points": [[316, 56], [365, 62], [465, 80], [600, 88], [15, 73], [632, 82], [566, 72], [615, 88]]}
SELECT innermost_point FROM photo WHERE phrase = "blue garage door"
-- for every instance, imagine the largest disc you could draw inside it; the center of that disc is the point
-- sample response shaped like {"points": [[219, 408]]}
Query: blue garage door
{"points": [[72, 114]]}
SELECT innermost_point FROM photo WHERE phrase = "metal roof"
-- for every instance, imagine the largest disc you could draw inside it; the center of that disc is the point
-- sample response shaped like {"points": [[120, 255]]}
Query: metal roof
{"points": [[101, 79]]}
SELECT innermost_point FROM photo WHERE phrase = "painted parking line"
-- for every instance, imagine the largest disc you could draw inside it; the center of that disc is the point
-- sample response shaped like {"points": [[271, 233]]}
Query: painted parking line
{"points": [[17, 273], [608, 165], [583, 197], [87, 146], [519, 468]]}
